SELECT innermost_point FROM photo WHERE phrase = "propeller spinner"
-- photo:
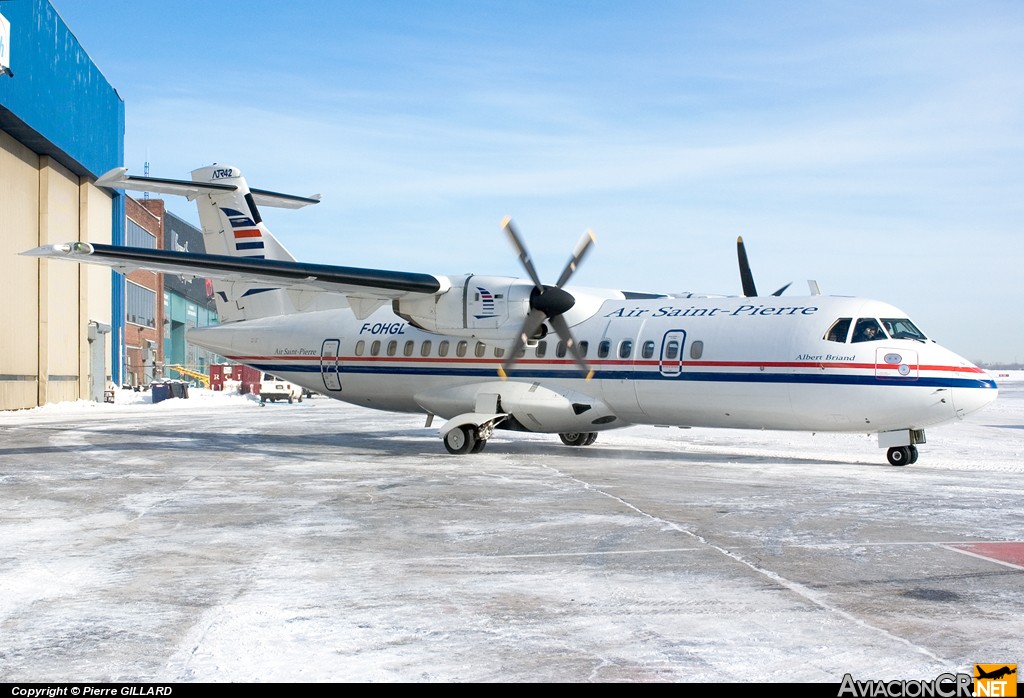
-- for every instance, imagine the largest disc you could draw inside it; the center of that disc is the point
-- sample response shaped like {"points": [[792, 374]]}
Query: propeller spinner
{"points": [[547, 303]]}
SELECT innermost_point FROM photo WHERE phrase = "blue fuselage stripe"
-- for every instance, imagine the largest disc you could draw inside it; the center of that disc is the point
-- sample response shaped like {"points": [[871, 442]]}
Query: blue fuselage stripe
{"points": [[697, 376]]}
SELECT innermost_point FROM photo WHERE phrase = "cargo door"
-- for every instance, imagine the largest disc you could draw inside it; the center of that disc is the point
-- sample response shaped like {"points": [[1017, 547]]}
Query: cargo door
{"points": [[330, 364]]}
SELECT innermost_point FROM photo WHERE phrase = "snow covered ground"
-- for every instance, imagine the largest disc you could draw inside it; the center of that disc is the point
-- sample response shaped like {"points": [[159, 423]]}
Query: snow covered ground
{"points": [[216, 540]]}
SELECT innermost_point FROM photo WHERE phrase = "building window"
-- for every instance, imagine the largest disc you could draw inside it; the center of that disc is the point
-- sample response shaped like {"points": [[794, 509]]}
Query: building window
{"points": [[137, 236], [140, 305]]}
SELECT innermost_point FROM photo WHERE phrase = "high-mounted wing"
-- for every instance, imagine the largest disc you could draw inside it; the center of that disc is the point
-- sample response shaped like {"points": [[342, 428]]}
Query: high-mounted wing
{"points": [[367, 283]]}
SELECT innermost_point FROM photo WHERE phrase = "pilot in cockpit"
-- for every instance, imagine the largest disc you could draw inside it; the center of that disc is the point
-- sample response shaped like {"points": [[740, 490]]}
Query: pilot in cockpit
{"points": [[867, 330]]}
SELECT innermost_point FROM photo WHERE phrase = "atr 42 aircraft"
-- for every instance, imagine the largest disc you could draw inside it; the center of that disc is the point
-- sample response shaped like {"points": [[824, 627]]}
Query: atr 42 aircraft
{"points": [[492, 352]]}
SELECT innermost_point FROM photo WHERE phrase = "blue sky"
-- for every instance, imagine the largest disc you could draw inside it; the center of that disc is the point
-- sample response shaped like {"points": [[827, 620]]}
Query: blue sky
{"points": [[874, 147]]}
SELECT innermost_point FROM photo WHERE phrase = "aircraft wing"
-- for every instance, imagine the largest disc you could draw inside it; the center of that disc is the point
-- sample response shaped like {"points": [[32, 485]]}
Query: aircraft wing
{"points": [[363, 283]]}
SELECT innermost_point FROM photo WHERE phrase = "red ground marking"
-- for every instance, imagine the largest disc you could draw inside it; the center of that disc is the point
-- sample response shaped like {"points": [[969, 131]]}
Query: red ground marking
{"points": [[1012, 553]]}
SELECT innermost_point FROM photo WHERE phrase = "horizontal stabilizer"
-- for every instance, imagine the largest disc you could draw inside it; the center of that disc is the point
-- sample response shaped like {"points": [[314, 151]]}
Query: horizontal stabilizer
{"points": [[119, 178]]}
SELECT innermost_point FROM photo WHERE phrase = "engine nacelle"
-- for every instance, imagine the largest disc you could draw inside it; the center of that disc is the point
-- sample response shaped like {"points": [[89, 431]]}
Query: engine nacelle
{"points": [[488, 307]]}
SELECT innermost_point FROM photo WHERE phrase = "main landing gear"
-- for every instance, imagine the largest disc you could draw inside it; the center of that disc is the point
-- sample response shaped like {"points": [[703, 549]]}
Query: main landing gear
{"points": [[902, 455], [467, 439], [472, 439], [578, 438]]}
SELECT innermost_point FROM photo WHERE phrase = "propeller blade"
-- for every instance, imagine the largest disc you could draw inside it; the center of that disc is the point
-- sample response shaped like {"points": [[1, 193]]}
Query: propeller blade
{"points": [[520, 247], [783, 289], [530, 326], [746, 277], [561, 328], [578, 253]]}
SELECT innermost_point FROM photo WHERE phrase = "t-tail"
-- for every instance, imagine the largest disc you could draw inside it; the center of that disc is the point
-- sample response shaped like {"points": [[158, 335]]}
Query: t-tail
{"points": [[232, 226]]}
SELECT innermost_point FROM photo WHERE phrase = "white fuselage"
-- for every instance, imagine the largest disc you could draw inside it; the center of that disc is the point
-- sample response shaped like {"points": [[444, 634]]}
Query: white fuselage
{"points": [[713, 362]]}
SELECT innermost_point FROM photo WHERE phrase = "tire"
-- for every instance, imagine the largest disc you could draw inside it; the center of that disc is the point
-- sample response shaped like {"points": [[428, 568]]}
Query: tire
{"points": [[479, 446], [899, 455], [574, 438], [913, 454], [263, 400], [591, 438], [461, 440]]}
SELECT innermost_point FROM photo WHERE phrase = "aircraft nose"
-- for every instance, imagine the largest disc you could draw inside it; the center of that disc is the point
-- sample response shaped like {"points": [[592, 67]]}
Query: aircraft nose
{"points": [[968, 399]]}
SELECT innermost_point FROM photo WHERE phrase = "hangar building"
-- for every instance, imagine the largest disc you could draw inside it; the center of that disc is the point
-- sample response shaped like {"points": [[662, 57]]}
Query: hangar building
{"points": [[61, 125]]}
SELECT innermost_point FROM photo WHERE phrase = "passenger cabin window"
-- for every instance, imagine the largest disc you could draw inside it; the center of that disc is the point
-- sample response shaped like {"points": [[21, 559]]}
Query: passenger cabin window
{"points": [[409, 346], [584, 347], [603, 348], [839, 330], [902, 328], [867, 330], [479, 350], [460, 348], [696, 349], [672, 350], [392, 347], [560, 350], [499, 352], [425, 348], [542, 349], [442, 348], [360, 347], [375, 348], [625, 348], [648, 350]]}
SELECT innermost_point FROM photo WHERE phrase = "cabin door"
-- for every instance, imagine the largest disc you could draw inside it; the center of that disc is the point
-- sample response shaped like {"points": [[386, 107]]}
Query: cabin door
{"points": [[671, 362]]}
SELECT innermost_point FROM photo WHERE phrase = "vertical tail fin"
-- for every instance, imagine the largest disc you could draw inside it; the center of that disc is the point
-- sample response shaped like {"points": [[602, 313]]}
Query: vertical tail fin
{"points": [[231, 223]]}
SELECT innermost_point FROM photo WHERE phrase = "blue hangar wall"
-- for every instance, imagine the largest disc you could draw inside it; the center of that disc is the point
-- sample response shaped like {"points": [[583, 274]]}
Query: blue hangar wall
{"points": [[61, 126]]}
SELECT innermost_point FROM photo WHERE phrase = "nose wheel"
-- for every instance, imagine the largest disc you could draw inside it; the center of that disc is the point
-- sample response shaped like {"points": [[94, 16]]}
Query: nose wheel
{"points": [[902, 455]]}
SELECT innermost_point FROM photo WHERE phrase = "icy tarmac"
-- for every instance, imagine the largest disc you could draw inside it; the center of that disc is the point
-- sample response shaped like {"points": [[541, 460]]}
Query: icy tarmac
{"points": [[215, 540]]}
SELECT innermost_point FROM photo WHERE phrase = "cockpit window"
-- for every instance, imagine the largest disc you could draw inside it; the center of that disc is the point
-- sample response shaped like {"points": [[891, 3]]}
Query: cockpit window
{"points": [[839, 330], [902, 328], [867, 330]]}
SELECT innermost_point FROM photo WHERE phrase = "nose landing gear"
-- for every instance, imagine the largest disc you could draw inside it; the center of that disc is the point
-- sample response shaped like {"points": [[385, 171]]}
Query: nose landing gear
{"points": [[902, 455]]}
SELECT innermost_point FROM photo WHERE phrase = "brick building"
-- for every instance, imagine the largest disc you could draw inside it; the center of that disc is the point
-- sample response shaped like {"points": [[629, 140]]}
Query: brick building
{"points": [[144, 295]]}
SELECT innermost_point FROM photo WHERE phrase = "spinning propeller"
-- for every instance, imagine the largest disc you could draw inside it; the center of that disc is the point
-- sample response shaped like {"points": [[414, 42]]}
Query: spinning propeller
{"points": [[749, 290], [547, 303]]}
